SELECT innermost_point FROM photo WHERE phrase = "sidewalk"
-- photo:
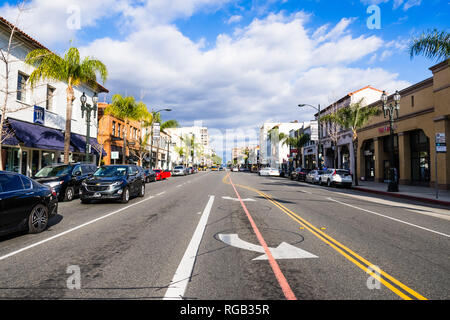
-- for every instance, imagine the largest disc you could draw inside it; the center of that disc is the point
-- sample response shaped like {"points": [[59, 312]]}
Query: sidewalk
{"points": [[424, 194]]}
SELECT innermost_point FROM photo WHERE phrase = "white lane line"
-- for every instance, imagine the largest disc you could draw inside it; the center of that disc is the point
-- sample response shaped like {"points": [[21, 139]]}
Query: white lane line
{"points": [[183, 274], [71, 230], [161, 193], [384, 216], [180, 185]]}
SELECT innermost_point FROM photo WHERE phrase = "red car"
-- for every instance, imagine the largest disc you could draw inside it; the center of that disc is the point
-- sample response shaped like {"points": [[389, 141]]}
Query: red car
{"points": [[161, 175]]}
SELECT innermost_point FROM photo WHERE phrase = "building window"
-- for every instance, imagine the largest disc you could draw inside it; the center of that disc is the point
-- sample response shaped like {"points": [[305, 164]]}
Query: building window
{"points": [[21, 86], [412, 101], [113, 128], [118, 130], [50, 95]]}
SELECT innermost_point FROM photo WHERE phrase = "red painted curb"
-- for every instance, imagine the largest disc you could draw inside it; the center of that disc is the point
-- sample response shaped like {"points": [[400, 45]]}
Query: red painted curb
{"points": [[404, 196]]}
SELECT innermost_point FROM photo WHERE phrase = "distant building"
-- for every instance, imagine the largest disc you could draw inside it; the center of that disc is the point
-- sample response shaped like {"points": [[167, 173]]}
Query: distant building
{"points": [[111, 131]]}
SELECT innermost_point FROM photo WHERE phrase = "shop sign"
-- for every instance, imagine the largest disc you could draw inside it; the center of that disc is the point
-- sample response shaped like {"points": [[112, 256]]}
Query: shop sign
{"points": [[114, 155], [314, 125], [39, 115], [441, 146]]}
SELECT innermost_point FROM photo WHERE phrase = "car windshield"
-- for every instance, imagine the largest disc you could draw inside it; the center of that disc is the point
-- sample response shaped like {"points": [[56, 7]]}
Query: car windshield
{"points": [[342, 172], [111, 172], [55, 171], [178, 167]]}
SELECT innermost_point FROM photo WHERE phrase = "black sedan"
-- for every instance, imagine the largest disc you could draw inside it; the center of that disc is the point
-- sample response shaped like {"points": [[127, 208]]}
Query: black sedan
{"points": [[150, 175], [65, 179], [114, 182], [25, 204], [299, 174]]}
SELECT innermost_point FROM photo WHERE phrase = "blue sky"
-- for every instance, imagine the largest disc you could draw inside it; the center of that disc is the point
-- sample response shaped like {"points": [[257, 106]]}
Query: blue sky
{"points": [[236, 64]]}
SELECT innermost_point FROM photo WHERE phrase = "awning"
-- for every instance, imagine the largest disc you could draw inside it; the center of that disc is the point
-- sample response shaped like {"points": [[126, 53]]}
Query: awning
{"points": [[10, 139], [37, 136], [79, 142]]}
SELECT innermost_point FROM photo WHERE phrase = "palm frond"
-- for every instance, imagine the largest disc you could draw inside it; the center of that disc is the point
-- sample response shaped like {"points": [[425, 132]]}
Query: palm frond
{"points": [[433, 44]]}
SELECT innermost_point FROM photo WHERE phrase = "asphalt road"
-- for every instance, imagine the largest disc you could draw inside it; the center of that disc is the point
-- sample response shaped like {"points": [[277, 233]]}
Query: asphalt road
{"points": [[191, 238]]}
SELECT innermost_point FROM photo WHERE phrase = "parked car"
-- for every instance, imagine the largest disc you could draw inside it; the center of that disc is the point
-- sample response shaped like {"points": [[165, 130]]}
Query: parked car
{"points": [[221, 168], [299, 174], [235, 169], [214, 168], [65, 179], [161, 174], [190, 170], [314, 176], [25, 204], [179, 171], [333, 177], [150, 175], [115, 182], [269, 172]]}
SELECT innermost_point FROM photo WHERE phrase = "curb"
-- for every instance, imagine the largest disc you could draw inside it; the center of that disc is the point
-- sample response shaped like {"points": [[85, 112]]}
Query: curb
{"points": [[404, 196]]}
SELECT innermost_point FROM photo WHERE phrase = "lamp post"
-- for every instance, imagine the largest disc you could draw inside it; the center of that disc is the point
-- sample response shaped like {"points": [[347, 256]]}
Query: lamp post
{"points": [[389, 111], [151, 141], [86, 107], [319, 145]]}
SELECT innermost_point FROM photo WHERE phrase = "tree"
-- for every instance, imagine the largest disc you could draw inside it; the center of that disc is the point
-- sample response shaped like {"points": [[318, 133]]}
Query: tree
{"points": [[295, 142], [354, 117], [433, 44], [126, 109], [332, 129], [70, 69]]}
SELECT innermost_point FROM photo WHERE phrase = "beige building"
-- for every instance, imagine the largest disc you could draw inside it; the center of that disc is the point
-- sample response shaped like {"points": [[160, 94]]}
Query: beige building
{"points": [[424, 112]]}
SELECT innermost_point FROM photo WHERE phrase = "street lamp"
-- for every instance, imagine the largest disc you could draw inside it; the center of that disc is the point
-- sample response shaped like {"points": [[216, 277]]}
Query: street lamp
{"points": [[86, 107], [319, 145], [389, 111], [151, 140]]}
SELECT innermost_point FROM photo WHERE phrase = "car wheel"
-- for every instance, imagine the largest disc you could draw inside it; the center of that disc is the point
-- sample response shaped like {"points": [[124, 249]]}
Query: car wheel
{"points": [[68, 194], [125, 195], [38, 219], [142, 193]]}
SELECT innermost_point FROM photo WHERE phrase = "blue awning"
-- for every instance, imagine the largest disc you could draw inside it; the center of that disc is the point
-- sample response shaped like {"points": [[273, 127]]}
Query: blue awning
{"points": [[10, 139], [79, 142], [37, 136]]}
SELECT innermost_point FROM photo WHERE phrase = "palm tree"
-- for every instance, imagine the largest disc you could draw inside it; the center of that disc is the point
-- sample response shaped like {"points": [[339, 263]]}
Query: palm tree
{"points": [[296, 142], [434, 44], [353, 117], [126, 109], [69, 69]]}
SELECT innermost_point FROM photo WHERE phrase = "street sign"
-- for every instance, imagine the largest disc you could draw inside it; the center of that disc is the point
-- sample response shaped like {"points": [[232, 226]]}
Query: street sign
{"points": [[314, 130], [114, 155], [441, 145], [156, 130]]}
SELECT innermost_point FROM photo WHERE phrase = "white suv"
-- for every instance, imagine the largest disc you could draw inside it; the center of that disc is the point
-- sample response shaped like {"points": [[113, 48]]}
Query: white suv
{"points": [[333, 177]]}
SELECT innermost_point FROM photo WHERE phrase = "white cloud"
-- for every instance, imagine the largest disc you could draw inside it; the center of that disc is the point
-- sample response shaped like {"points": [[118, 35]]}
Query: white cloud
{"points": [[259, 73], [234, 19]]}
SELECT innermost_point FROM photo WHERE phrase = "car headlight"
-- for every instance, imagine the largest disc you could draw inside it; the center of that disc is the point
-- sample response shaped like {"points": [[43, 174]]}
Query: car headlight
{"points": [[55, 184]]}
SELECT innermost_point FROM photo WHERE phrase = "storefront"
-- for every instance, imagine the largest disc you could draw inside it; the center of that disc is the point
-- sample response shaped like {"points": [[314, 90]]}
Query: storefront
{"points": [[31, 147], [424, 114]]}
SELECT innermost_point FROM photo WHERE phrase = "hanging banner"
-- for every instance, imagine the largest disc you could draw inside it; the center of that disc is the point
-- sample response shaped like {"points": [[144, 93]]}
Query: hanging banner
{"points": [[156, 130], [314, 130]]}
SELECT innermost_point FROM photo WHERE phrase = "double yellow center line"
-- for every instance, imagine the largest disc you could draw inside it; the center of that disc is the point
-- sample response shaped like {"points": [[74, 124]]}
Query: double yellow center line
{"points": [[387, 280]]}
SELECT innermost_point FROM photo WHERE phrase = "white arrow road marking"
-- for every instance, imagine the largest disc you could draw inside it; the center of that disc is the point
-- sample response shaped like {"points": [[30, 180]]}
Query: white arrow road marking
{"points": [[283, 251], [234, 199]]}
